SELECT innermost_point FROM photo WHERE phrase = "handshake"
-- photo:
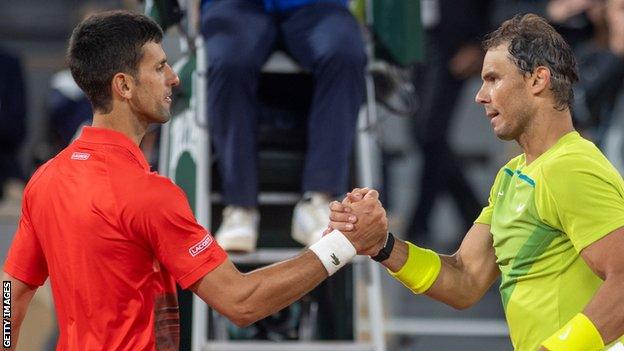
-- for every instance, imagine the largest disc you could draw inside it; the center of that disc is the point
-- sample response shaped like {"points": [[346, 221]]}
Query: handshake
{"points": [[362, 220]]}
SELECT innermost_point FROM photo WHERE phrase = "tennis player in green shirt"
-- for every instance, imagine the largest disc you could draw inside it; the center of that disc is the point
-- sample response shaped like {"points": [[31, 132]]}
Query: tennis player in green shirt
{"points": [[554, 226]]}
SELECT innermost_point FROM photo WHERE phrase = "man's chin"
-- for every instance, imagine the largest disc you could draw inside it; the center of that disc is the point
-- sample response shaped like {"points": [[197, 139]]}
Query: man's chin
{"points": [[502, 135], [163, 117]]}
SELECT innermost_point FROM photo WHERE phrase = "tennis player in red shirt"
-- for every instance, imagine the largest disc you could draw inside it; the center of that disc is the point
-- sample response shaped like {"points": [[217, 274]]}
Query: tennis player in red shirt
{"points": [[114, 238]]}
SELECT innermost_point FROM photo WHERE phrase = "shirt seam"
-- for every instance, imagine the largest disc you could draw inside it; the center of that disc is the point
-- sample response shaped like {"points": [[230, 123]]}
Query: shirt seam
{"points": [[200, 265], [21, 273]]}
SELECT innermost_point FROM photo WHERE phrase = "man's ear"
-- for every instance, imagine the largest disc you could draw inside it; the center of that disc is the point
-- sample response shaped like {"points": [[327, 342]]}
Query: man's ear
{"points": [[540, 80], [123, 85]]}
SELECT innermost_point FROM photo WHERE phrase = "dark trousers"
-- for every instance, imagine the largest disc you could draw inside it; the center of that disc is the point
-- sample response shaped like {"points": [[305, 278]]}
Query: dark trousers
{"points": [[324, 39], [442, 171]]}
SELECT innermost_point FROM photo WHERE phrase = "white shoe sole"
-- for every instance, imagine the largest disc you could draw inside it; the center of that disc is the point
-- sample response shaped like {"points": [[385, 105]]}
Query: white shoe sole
{"points": [[237, 244], [303, 237]]}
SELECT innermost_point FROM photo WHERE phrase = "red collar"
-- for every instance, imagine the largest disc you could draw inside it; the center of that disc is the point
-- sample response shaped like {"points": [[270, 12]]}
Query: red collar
{"points": [[109, 136]]}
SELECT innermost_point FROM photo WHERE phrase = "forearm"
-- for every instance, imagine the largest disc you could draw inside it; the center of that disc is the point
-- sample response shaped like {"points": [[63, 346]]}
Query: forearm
{"points": [[272, 288], [461, 279], [451, 286], [456, 286], [606, 310]]}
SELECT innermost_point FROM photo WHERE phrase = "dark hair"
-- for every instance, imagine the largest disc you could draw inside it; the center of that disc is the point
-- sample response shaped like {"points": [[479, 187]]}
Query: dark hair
{"points": [[104, 45], [533, 43]]}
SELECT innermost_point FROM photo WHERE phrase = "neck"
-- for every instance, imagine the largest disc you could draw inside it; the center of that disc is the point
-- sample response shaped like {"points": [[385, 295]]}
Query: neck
{"points": [[123, 121], [544, 131]]}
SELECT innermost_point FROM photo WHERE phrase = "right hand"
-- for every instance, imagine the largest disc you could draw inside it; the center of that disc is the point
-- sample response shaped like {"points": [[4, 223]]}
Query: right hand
{"points": [[362, 219]]}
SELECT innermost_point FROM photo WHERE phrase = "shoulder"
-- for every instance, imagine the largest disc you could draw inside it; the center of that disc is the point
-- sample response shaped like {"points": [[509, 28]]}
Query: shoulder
{"points": [[580, 168], [581, 157], [149, 190], [40, 174]]}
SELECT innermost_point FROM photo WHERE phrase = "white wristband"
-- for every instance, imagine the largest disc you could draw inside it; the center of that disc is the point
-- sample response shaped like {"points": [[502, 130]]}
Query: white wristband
{"points": [[334, 250]]}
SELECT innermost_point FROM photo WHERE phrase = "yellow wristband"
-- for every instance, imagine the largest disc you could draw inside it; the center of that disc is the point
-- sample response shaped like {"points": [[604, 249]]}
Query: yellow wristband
{"points": [[420, 270], [579, 334]]}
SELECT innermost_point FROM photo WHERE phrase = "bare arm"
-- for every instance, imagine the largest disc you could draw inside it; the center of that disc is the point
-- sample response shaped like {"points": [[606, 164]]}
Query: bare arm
{"points": [[606, 309], [245, 298], [464, 277], [20, 294]]}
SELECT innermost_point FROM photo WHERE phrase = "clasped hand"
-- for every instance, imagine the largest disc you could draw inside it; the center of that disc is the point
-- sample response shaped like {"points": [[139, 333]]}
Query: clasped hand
{"points": [[362, 219]]}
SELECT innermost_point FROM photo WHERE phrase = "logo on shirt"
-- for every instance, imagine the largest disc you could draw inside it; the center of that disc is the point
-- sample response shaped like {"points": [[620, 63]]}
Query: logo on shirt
{"points": [[201, 246], [520, 208], [80, 156]]}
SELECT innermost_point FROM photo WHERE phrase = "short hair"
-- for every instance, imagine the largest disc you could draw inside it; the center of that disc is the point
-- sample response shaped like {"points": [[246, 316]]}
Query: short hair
{"points": [[533, 43], [105, 44]]}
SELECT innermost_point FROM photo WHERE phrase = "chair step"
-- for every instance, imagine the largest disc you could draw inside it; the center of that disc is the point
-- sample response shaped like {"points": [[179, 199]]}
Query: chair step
{"points": [[287, 346], [266, 198]]}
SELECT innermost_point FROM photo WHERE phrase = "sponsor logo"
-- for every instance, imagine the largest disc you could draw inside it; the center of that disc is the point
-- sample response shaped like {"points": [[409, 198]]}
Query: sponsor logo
{"points": [[501, 193], [80, 156], [201, 246], [565, 334], [335, 259], [520, 208]]}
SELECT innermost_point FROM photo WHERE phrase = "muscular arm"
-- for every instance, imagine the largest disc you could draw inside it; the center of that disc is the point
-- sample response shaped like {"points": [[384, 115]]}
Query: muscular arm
{"points": [[466, 275], [21, 294], [245, 298], [606, 309]]}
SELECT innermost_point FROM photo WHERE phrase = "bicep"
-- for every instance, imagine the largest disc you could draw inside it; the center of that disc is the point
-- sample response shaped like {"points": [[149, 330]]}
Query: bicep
{"points": [[604, 256], [476, 258]]}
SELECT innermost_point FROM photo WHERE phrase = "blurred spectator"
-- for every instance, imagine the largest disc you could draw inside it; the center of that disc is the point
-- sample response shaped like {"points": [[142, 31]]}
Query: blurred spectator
{"points": [[571, 18], [13, 122], [594, 29], [601, 67], [453, 32], [68, 110], [324, 38]]}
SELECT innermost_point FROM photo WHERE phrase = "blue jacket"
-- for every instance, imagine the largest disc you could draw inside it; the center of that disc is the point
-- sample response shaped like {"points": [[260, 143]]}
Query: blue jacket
{"points": [[285, 5]]}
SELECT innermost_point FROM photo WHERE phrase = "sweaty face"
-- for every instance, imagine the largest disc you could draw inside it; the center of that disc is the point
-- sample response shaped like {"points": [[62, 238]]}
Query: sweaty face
{"points": [[504, 95], [154, 82]]}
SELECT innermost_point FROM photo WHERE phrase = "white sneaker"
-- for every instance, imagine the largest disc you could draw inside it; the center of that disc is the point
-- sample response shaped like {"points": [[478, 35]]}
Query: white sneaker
{"points": [[310, 218], [239, 229]]}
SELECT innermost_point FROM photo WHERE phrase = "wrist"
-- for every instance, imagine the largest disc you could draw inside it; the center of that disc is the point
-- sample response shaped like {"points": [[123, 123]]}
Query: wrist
{"points": [[334, 251], [398, 256], [576, 335], [386, 250], [421, 269]]}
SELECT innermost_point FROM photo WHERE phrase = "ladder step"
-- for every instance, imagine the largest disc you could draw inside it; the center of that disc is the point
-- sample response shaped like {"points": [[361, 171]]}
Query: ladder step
{"points": [[443, 326], [287, 346], [272, 255], [266, 198]]}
